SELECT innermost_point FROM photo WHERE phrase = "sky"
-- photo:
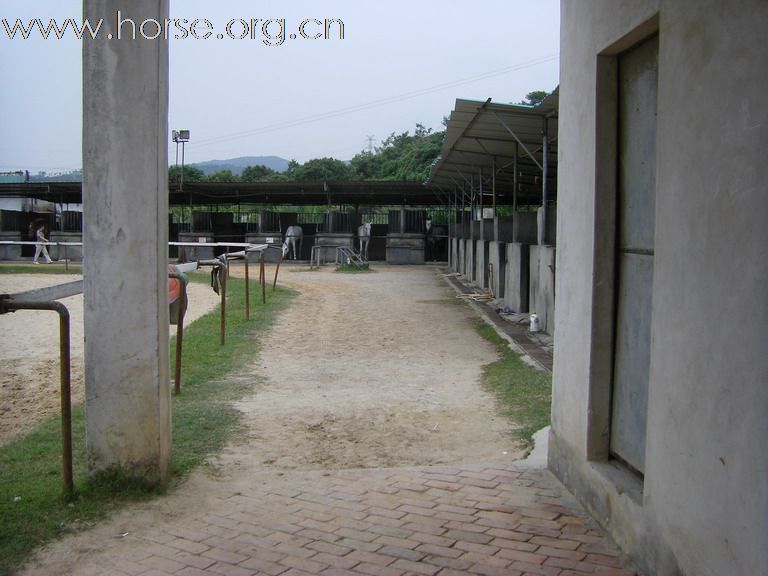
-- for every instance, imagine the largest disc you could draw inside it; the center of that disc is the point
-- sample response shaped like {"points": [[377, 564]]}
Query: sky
{"points": [[400, 63]]}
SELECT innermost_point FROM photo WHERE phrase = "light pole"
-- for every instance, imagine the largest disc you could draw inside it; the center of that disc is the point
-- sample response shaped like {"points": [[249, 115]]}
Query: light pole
{"points": [[180, 136]]}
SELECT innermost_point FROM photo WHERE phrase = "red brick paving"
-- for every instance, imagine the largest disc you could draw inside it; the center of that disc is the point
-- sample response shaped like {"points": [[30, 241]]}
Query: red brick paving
{"points": [[499, 519]]}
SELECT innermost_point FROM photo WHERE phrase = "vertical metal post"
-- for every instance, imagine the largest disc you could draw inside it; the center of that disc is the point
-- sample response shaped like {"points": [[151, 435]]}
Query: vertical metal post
{"points": [[8, 305], [263, 279], [277, 270], [247, 289], [223, 329], [544, 168], [493, 186], [515, 179], [514, 194], [179, 337], [482, 216], [66, 401]]}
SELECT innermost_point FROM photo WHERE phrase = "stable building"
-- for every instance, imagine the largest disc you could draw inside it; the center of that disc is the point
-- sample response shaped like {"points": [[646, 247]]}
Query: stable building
{"points": [[660, 369]]}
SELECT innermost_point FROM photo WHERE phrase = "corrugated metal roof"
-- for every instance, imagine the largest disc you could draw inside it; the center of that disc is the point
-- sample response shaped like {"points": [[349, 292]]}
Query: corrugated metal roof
{"points": [[484, 135]]}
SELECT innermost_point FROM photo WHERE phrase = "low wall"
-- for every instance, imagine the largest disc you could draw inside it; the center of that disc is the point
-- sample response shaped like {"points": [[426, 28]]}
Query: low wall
{"points": [[469, 260], [10, 252], [481, 264], [327, 244], [66, 252], [497, 252], [542, 288], [192, 253], [270, 255], [453, 244], [405, 249], [517, 276]]}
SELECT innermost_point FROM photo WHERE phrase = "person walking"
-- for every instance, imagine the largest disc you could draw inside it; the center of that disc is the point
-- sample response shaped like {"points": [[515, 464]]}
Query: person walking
{"points": [[40, 245]]}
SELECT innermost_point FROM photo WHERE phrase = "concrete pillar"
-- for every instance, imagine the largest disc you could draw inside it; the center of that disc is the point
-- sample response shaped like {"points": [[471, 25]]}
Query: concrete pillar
{"points": [[125, 199]]}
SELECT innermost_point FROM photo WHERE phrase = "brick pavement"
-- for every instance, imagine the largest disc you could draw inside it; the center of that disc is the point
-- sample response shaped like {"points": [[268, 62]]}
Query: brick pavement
{"points": [[505, 519]]}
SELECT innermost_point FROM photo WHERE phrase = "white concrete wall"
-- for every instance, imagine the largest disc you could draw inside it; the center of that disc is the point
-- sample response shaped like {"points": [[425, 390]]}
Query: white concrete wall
{"points": [[541, 296], [125, 196], [702, 506], [497, 258], [481, 265], [517, 277]]}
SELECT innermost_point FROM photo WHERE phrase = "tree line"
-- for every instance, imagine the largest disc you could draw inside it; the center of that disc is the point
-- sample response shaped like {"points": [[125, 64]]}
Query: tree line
{"points": [[402, 157]]}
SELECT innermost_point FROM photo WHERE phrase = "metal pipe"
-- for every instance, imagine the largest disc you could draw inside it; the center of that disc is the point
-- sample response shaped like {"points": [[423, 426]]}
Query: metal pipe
{"points": [[223, 281], [544, 182], [179, 332], [247, 291], [277, 270], [8, 304], [263, 280]]}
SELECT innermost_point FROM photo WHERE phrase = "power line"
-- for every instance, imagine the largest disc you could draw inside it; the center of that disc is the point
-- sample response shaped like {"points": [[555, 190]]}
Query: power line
{"points": [[374, 103]]}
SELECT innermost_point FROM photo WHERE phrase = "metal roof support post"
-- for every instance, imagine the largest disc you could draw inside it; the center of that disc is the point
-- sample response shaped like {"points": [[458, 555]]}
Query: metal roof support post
{"points": [[514, 194], [482, 218], [493, 186], [543, 239]]}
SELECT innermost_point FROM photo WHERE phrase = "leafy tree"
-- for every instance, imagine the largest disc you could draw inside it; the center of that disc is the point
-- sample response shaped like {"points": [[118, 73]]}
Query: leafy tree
{"points": [[256, 173], [191, 174], [318, 169], [400, 156], [534, 98], [222, 176]]}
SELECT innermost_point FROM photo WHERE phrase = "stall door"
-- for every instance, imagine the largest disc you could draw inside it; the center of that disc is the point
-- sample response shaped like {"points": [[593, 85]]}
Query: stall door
{"points": [[635, 245]]}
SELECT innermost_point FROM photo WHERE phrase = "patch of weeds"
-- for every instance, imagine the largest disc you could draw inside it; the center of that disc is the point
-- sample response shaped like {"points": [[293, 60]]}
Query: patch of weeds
{"points": [[54, 268], [353, 269], [33, 508], [523, 393]]}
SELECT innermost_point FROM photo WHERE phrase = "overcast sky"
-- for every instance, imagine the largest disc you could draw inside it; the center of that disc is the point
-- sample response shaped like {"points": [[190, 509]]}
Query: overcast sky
{"points": [[400, 62]]}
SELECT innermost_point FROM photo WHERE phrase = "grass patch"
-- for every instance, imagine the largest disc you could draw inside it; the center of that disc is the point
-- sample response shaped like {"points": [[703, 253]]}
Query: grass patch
{"points": [[352, 269], [55, 268], [523, 393], [32, 508]]}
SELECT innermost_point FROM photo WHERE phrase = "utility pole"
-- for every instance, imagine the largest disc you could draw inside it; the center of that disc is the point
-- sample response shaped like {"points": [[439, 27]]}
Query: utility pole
{"points": [[370, 139]]}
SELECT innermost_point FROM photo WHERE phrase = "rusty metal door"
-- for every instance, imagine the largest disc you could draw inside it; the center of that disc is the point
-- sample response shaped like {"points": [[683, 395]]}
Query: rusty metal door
{"points": [[635, 244]]}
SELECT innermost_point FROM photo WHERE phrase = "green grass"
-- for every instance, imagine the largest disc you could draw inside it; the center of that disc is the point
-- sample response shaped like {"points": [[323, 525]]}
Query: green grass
{"points": [[352, 269], [523, 393], [34, 511], [55, 268]]}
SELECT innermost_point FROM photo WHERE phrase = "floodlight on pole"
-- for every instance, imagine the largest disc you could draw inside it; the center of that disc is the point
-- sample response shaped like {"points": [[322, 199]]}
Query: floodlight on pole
{"points": [[180, 136]]}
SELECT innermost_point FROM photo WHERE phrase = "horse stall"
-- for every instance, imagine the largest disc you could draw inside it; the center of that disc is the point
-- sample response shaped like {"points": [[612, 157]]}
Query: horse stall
{"points": [[517, 269], [405, 239], [542, 289], [336, 233], [542, 270], [503, 227], [270, 227]]}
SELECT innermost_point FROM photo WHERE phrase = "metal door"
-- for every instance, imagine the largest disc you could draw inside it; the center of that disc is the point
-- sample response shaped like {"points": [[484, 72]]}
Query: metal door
{"points": [[636, 207]]}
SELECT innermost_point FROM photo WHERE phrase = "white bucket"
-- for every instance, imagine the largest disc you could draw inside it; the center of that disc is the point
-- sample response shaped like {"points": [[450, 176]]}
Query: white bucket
{"points": [[535, 323]]}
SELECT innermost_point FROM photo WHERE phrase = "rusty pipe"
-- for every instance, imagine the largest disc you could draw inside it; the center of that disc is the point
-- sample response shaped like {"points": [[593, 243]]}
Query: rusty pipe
{"points": [[7, 304]]}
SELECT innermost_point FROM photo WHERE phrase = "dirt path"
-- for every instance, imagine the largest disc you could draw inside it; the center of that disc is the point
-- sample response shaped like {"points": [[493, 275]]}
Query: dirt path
{"points": [[375, 370]]}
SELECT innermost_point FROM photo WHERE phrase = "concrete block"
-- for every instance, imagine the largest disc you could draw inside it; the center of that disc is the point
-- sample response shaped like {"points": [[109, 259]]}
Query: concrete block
{"points": [[10, 252], [72, 253], [270, 255], [327, 244], [517, 277], [497, 260], [192, 253], [405, 248], [542, 286]]}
